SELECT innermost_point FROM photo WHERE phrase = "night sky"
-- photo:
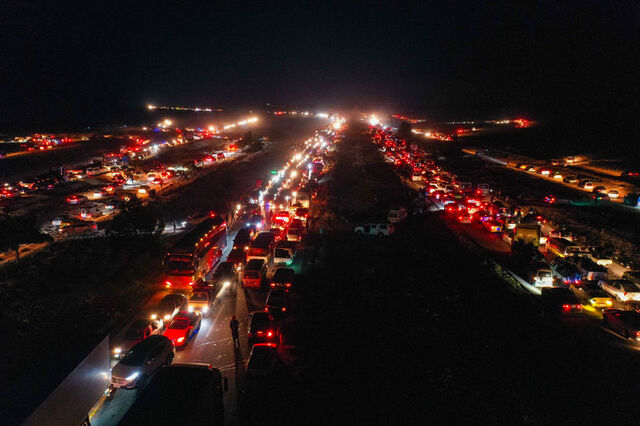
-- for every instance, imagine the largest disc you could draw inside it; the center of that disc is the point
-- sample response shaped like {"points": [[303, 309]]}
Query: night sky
{"points": [[75, 63]]}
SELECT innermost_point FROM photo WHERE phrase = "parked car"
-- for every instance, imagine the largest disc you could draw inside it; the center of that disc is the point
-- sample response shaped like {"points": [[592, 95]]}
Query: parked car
{"points": [[200, 300], [261, 327], [183, 328], [139, 330], [141, 361], [263, 360], [282, 277], [559, 301], [254, 273], [397, 215], [169, 306], [627, 323], [591, 294], [277, 302], [379, 229], [622, 290]]}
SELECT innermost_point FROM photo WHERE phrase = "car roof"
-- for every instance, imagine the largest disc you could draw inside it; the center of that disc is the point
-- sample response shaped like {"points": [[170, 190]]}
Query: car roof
{"points": [[150, 342]]}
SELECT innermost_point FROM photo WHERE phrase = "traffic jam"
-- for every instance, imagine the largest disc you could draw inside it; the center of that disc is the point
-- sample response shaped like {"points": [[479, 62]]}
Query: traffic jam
{"points": [[253, 253], [544, 257], [79, 197]]}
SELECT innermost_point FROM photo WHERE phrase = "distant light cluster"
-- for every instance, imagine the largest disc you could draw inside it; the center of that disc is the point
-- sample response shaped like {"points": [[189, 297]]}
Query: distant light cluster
{"points": [[181, 108]]}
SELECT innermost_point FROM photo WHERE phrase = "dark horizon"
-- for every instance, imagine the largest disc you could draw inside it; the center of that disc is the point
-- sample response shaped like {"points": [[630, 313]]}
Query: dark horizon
{"points": [[70, 67]]}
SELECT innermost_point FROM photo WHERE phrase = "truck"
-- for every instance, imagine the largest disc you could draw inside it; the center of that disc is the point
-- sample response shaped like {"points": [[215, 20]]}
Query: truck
{"points": [[184, 393], [589, 269], [528, 233]]}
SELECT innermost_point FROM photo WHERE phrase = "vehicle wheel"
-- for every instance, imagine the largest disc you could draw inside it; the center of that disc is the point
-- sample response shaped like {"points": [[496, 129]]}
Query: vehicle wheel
{"points": [[169, 360], [618, 299]]}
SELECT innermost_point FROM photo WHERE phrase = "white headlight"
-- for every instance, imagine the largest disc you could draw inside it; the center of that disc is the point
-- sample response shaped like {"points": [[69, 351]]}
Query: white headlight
{"points": [[190, 308], [117, 350], [205, 309], [133, 376], [167, 317], [226, 284]]}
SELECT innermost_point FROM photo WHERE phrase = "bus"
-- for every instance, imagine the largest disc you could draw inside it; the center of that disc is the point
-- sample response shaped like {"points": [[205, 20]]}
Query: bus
{"points": [[262, 247], [191, 258], [563, 247]]}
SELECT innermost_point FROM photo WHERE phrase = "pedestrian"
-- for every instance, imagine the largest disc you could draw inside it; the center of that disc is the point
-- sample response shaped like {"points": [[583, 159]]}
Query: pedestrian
{"points": [[234, 331]]}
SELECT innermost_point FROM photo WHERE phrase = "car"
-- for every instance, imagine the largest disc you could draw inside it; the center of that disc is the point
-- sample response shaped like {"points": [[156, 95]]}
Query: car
{"points": [[277, 302], [550, 199], [464, 217], [141, 361], [613, 193], [99, 193], [226, 274], [379, 229], [566, 272], [263, 360], [220, 156], [76, 199], [600, 190], [570, 179], [243, 238], [183, 328], [416, 177], [541, 275], [283, 256], [200, 300], [531, 169], [238, 257], [493, 226], [600, 197], [301, 213], [77, 228], [591, 294], [169, 306], [261, 327], [282, 277], [557, 175], [622, 290], [559, 301], [294, 234], [139, 330], [627, 323], [256, 222], [254, 273], [397, 215], [586, 184]]}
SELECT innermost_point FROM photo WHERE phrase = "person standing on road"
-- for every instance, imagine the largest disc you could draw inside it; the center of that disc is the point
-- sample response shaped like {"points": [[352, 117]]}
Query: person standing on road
{"points": [[234, 331]]}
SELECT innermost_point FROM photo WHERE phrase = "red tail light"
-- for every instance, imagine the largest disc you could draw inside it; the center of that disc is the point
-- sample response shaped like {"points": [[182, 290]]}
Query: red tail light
{"points": [[269, 333], [566, 307], [168, 284], [273, 284], [637, 333], [284, 309], [190, 283], [288, 284]]}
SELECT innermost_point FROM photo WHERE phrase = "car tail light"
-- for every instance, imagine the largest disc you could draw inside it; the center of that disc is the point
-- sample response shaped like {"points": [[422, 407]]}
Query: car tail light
{"points": [[288, 285], [637, 333], [269, 333], [273, 284], [180, 339], [284, 309], [566, 307], [168, 284], [259, 331], [191, 283]]}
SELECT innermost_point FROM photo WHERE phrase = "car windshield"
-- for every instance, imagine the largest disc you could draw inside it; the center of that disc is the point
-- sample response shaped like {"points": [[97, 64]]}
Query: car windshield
{"points": [[199, 296], [134, 334], [179, 324], [276, 299], [259, 322], [282, 253], [135, 357], [175, 266]]}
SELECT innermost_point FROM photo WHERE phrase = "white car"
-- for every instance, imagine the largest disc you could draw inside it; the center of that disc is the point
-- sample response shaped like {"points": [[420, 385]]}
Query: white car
{"points": [[395, 216], [283, 256], [380, 229], [622, 290]]}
